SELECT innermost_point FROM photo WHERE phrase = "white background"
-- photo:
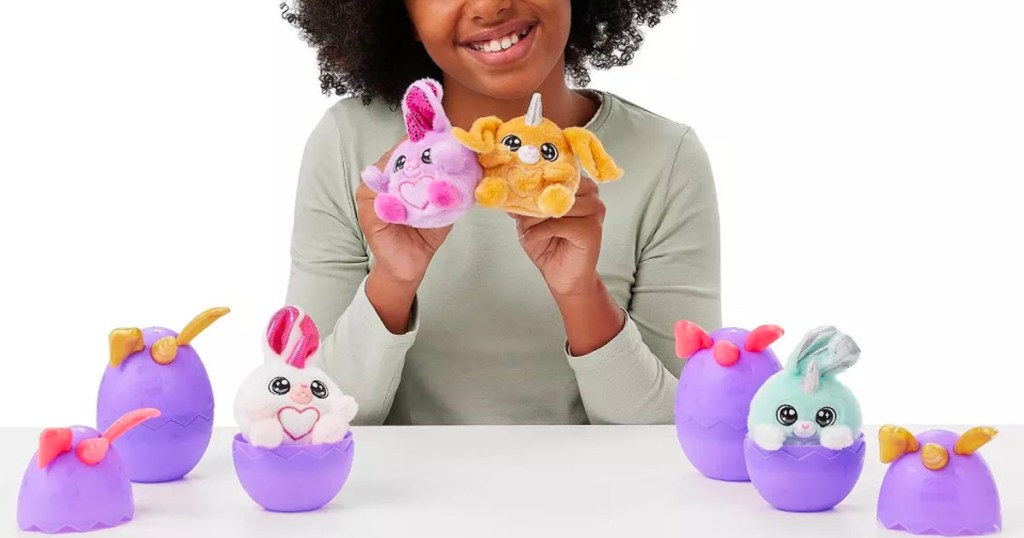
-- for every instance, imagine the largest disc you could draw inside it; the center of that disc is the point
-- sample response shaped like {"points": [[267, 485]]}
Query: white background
{"points": [[867, 156]]}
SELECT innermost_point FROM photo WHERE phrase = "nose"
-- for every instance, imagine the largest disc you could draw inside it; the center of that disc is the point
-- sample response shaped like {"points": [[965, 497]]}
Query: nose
{"points": [[529, 154], [301, 395], [488, 9], [412, 165]]}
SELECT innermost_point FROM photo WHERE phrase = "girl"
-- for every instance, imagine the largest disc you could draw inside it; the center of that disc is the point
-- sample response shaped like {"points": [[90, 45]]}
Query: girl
{"points": [[500, 320]]}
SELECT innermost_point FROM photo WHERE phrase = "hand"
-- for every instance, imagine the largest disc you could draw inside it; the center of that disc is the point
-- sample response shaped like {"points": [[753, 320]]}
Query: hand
{"points": [[566, 249], [836, 437], [402, 252], [768, 437], [402, 255], [266, 433], [566, 252]]}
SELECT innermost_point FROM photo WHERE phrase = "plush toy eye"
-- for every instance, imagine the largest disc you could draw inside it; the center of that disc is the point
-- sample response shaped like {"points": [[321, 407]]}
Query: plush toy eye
{"points": [[318, 388], [399, 163], [826, 417], [512, 142], [425, 156], [786, 415], [548, 151], [280, 385]]}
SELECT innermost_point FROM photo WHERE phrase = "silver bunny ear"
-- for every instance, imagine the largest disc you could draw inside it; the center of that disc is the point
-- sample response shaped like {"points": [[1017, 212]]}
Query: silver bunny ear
{"points": [[536, 113], [811, 379], [813, 345], [844, 354]]}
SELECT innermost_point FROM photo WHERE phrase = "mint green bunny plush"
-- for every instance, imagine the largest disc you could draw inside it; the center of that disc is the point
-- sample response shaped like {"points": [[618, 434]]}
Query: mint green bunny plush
{"points": [[805, 403]]}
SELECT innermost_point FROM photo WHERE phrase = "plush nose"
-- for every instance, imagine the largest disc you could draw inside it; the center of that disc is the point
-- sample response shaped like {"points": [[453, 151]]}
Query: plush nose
{"points": [[803, 429], [411, 165], [529, 154], [301, 394]]}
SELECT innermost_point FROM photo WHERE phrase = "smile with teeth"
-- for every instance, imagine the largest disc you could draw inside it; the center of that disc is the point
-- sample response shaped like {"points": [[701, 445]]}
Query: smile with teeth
{"points": [[502, 43]]}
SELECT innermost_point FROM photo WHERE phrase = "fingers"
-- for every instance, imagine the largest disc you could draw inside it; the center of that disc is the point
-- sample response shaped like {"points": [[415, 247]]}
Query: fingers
{"points": [[580, 232]]}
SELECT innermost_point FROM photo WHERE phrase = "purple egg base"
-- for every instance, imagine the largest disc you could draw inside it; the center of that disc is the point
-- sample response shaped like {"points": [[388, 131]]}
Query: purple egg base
{"points": [[716, 451], [165, 449], [804, 478], [69, 496], [293, 478], [959, 500]]}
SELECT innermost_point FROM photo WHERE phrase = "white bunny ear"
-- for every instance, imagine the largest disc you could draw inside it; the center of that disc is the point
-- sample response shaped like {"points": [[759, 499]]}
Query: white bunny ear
{"points": [[421, 108], [292, 337]]}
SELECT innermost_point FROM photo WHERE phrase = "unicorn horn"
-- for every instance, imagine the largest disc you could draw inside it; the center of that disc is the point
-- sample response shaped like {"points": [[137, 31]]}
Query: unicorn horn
{"points": [[165, 349], [536, 112]]}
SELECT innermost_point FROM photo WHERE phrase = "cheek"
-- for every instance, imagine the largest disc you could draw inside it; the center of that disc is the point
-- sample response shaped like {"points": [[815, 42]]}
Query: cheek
{"points": [[434, 22]]}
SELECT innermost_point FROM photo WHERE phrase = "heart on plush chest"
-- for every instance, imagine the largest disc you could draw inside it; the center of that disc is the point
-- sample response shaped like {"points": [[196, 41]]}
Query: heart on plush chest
{"points": [[297, 424], [414, 191], [524, 182]]}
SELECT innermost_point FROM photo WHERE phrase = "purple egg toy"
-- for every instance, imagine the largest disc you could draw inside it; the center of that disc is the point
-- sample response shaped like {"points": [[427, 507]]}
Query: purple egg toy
{"points": [[293, 477], [157, 367], [937, 483], [722, 374], [804, 478], [76, 481]]}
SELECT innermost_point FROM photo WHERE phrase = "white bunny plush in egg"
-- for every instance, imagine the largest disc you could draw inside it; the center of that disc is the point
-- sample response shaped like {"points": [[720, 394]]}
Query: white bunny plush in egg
{"points": [[288, 399]]}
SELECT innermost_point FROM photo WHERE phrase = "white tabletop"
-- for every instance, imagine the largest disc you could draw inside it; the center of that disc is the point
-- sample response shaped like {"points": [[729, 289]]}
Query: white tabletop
{"points": [[477, 481]]}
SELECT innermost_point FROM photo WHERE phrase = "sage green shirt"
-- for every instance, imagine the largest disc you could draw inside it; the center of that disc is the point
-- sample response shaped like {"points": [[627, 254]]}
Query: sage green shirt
{"points": [[487, 344]]}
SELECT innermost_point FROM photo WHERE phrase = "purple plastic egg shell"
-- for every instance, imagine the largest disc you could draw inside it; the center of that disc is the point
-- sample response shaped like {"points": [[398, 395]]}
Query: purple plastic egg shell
{"points": [[168, 447], [713, 402], [959, 500], [70, 496], [804, 478], [293, 478]]}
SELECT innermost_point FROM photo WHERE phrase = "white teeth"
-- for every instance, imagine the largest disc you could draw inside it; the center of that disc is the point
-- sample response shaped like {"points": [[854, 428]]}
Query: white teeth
{"points": [[497, 45]]}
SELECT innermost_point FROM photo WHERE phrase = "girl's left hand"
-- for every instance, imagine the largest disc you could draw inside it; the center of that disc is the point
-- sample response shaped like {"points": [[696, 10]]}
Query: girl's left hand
{"points": [[566, 252], [566, 249]]}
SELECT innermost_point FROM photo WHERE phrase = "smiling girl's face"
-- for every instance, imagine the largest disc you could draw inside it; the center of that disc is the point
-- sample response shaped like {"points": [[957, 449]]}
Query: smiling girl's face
{"points": [[503, 49]]}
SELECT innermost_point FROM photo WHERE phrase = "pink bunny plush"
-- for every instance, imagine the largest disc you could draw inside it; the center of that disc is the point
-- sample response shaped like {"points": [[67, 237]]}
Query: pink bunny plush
{"points": [[288, 399], [430, 178]]}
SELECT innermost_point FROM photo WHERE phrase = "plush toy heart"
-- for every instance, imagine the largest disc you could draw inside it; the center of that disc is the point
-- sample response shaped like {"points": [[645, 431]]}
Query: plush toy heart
{"points": [[415, 192], [524, 182], [297, 424]]}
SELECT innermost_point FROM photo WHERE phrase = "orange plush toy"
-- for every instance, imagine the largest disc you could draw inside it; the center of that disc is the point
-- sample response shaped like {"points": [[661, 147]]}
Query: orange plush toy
{"points": [[531, 166]]}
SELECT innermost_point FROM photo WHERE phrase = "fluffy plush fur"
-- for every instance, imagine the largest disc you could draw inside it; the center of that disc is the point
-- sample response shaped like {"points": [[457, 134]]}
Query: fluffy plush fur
{"points": [[805, 403], [531, 166], [288, 399], [430, 177]]}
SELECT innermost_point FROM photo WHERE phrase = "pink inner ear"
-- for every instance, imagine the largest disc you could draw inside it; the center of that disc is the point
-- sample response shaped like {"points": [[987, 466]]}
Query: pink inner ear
{"points": [[760, 338], [419, 118], [52, 443], [308, 342], [279, 328], [690, 338]]}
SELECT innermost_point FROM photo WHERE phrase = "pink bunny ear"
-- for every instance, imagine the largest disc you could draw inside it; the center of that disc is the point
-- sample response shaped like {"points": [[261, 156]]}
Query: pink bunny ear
{"points": [[52, 443], [293, 336], [421, 107], [690, 338]]}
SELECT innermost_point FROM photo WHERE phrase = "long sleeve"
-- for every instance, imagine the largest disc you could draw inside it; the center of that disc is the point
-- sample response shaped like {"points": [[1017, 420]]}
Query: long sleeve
{"points": [[328, 272], [633, 378]]}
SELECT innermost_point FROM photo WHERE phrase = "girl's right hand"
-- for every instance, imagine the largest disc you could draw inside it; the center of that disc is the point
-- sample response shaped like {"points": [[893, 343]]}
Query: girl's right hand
{"points": [[402, 255]]}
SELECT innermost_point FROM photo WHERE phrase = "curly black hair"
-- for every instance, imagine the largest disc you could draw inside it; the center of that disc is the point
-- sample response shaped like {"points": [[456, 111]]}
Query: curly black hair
{"points": [[358, 54]]}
